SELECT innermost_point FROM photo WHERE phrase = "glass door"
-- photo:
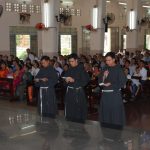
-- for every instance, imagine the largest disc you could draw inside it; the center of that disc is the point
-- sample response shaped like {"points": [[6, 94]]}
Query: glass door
{"points": [[124, 41], [147, 42], [22, 43], [66, 44]]}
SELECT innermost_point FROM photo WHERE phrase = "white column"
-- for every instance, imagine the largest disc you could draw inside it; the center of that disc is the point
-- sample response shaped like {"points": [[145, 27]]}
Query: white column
{"points": [[132, 37], [97, 37], [141, 14], [50, 35]]}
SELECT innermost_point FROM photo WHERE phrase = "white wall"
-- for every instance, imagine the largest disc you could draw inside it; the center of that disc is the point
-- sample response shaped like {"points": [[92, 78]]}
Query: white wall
{"points": [[12, 19], [84, 19], [112, 7]]}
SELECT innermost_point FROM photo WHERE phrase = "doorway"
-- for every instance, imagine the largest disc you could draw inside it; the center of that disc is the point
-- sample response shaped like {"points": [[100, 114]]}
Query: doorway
{"points": [[66, 44], [147, 42], [22, 38], [67, 41], [22, 43]]}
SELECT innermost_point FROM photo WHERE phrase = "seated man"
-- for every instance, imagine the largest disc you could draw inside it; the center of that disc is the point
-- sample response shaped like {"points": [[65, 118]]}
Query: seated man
{"points": [[143, 72], [136, 85], [127, 90]]}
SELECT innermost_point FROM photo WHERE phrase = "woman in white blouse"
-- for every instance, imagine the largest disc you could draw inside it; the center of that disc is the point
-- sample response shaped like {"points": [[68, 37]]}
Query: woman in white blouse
{"points": [[35, 68]]}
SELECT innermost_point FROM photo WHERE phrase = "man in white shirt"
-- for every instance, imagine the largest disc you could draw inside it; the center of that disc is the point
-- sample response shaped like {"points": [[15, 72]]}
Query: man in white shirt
{"points": [[35, 68], [30, 55], [129, 67], [58, 68], [132, 66], [146, 57], [143, 72]]}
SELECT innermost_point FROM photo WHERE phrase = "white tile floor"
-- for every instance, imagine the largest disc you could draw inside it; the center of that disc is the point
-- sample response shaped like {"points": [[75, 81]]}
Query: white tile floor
{"points": [[22, 129]]}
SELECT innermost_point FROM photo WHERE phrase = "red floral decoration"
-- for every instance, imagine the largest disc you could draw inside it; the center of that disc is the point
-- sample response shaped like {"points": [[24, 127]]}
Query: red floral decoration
{"points": [[40, 26], [90, 27]]}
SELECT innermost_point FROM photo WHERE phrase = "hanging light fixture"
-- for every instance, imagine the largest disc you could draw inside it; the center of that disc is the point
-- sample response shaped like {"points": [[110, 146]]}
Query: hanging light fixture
{"points": [[95, 17], [132, 20], [46, 14]]}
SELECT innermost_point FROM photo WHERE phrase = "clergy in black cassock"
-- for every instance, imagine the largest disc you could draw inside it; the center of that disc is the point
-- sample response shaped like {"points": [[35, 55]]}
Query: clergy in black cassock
{"points": [[46, 79], [75, 100], [111, 106]]}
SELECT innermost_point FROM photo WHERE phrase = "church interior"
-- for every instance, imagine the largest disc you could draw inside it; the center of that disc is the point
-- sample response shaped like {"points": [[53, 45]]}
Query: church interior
{"points": [[34, 32]]}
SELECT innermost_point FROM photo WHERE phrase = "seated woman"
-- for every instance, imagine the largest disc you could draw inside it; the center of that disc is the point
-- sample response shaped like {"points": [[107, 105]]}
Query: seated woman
{"points": [[88, 69], [35, 68], [96, 72], [95, 75], [3, 74], [4, 70], [65, 69], [17, 76], [25, 81], [10, 73]]}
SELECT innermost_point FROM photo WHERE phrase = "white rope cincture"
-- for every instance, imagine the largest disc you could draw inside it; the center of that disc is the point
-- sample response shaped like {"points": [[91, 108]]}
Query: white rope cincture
{"points": [[41, 97], [107, 91], [70, 87]]}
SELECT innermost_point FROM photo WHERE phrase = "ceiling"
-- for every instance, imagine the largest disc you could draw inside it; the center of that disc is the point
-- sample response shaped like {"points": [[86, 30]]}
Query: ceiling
{"points": [[143, 1]]}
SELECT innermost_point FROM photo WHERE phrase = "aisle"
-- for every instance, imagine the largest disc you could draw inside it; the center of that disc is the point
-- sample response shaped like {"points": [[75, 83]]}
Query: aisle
{"points": [[22, 129]]}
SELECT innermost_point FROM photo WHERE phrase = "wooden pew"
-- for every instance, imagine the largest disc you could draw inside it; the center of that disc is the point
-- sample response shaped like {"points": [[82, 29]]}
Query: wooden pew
{"points": [[9, 82]]}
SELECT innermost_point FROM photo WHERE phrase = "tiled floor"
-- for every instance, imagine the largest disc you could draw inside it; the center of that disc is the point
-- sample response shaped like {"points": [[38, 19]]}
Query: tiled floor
{"points": [[138, 114], [22, 129]]}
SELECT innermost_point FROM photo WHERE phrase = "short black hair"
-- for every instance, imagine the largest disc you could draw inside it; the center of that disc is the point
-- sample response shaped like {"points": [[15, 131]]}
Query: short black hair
{"points": [[3, 63], [142, 61], [10, 67], [21, 62], [73, 55], [66, 65], [54, 57], [111, 54], [28, 66], [36, 62], [127, 53], [133, 58], [127, 61], [45, 58], [126, 69], [20, 66], [28, 59]]}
